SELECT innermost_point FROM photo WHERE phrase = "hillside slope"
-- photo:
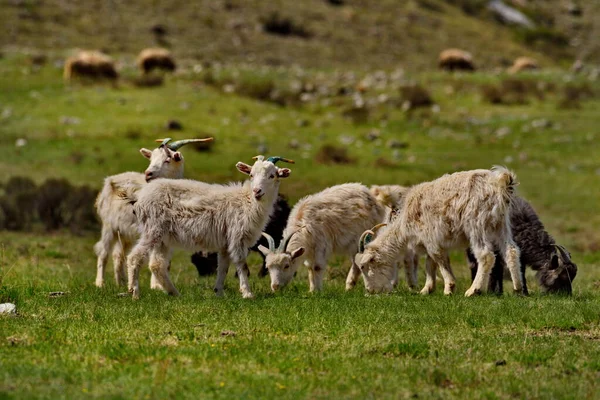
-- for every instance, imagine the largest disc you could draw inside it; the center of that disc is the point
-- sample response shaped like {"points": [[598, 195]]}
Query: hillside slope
{"points": [[358, 34]]}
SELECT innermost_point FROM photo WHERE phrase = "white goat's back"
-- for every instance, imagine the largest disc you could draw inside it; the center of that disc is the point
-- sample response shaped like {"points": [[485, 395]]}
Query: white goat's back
{"points": [[331, 221]]}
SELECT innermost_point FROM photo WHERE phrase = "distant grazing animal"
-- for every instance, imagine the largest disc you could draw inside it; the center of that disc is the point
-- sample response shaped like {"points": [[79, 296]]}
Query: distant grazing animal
{"points": [[456, 60], [449, 212], [119, 224], [90, 65], [156, 58], [227, 219], [207, 264], [320, 225], [554, 269], [523, 64]]}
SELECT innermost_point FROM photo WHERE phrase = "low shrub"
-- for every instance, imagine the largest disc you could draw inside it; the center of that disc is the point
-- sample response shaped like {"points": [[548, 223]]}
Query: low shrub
{"points": [[55, 204]]}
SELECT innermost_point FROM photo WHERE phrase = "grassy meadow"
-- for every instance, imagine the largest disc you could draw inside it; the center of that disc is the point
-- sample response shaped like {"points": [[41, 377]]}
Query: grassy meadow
{"points": [[92, 342]]}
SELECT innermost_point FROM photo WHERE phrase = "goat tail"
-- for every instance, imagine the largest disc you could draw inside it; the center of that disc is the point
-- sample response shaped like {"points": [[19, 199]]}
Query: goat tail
{"points": [[505, 180], [127, 191]]}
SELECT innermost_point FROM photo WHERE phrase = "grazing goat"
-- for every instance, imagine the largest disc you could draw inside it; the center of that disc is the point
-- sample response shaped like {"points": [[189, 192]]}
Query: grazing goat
{"points": [[449, 212], [227, 219], [90, 65], [455, 59], [554, 269], [207, 264], [155, 58], [391, 196], [325, 223], [119, 224]]}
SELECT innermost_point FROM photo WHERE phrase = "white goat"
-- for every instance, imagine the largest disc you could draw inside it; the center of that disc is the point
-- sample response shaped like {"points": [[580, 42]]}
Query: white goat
{"points": [[456, 210], [227, 219], [119, 224], [325, 223]]}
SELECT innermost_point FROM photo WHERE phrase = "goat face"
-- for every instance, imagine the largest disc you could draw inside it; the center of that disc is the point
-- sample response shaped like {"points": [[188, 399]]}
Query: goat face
{"points": [[164, 163], [264, 176], [558, 274], [377, 273], [281, 264]]}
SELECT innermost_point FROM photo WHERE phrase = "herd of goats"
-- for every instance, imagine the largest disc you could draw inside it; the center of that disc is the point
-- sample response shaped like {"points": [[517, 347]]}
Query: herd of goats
{"points": [[145, 217]]}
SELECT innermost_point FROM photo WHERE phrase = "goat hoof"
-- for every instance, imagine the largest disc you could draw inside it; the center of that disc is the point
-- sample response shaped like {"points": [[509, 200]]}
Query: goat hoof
{"points": [[425, 291], [247, 295], [472, 292], [350, 285]]}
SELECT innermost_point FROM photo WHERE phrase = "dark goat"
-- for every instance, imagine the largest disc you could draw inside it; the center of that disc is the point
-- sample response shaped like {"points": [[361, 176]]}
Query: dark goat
{"points": [[207, 265], [554, 269]]}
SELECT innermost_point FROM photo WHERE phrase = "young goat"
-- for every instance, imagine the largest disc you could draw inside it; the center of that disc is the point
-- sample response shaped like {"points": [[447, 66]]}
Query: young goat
{"points": [[322, 224], [227, 219], [554, 269], [119, 224], [449, 212]]}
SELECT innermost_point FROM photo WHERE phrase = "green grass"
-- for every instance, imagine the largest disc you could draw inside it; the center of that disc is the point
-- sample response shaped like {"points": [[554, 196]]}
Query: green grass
{"points": [[92, 342]]}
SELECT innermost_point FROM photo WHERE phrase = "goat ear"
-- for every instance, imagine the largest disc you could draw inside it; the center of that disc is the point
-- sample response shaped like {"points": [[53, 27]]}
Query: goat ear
{"points": [[284, 172], [263, 250], [177, 156], [554, 261], [297, 253], [243, 168], [146, 153]]}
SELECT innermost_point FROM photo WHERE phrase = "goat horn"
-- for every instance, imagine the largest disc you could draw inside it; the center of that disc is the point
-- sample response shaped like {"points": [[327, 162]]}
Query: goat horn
{"points": [[563, 253], [367, 236], [270, 240], [378, 226], [275, 159], [284, 243], [163, 142], [361, 242], [176, 145]]}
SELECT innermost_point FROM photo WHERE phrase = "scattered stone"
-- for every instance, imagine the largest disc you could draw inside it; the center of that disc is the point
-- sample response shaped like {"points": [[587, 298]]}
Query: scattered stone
{"points": [[124, 294], [228, 333], [396, 144], [57, 294], [373, 134], [500, 363], [8, 308], [229, 88], [503, 131], [294, 144], [541, 123], [7, 113], [65, 120], [173, 125], [509, 15], [346, 139], [574, 9], [21, 142], [301, 123]]}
